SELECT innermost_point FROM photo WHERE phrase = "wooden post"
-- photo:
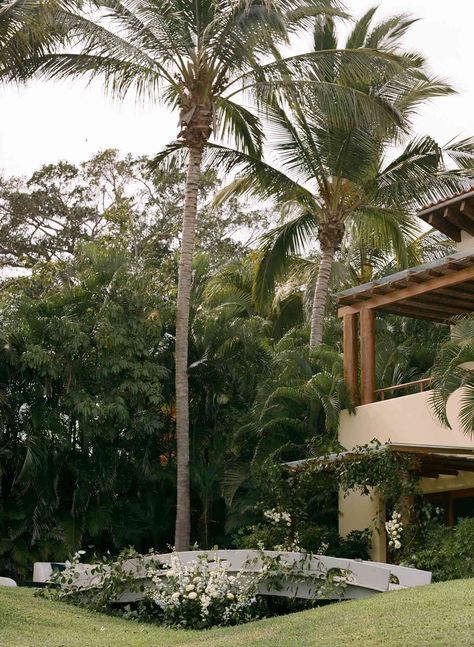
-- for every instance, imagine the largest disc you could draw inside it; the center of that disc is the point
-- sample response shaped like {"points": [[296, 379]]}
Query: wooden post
{"points": [[367, 355], [351, 372]]}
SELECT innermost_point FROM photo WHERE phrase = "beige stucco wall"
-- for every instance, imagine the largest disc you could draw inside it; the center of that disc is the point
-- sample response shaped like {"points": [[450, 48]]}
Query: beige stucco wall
{"points": [[407, 420], [357, 512]]}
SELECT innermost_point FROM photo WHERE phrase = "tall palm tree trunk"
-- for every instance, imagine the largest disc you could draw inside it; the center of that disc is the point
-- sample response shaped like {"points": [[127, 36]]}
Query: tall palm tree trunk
{"points": [[320, 294], [183, 507]]}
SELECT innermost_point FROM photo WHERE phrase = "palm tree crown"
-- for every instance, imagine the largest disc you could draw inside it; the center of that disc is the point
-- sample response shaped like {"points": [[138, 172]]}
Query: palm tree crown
{"points": [[26, 31], [332, 173]]}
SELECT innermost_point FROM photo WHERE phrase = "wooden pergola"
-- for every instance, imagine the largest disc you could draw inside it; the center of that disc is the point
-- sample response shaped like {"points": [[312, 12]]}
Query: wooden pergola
{"points": [[437, 291]]}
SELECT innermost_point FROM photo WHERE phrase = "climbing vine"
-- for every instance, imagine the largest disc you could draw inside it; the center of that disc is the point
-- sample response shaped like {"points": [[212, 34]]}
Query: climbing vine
{"points": [[377, 466]]}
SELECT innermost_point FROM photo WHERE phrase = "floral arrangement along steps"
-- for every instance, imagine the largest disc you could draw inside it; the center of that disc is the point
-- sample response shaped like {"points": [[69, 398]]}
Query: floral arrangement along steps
{"points": [[289, 574]]}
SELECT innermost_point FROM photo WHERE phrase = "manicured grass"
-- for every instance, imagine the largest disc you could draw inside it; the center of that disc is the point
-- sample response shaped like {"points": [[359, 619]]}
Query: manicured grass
{"points": [[440, 614]]}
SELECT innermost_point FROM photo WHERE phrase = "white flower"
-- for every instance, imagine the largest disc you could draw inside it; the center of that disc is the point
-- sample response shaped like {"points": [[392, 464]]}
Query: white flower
{"points": [[214, 594], [230, 596], [193, 595], [176, 595], [190, 587], [397, 545]]}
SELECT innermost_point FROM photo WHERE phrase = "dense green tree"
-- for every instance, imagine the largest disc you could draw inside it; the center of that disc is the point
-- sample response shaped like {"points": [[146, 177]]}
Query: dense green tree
{"points": [[85, 433], [115, 197], [87, 410]]}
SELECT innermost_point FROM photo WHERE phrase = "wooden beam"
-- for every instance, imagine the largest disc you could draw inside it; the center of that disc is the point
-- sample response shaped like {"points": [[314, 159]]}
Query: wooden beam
{"points": [[464, 295], [419, 304], [455, 218], [455, 278], [351, 368], [465, 289], [433, 450], [437, 221], [404, 311], [367, 356], [455, 300]]}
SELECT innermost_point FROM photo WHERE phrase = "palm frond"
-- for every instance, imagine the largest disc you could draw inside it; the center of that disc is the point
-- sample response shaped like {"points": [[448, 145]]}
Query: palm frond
{"points": [[276, 250]]}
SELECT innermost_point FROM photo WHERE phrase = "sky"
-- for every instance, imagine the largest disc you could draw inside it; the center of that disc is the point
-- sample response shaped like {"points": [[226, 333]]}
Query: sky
{"points": [[45, 122]]}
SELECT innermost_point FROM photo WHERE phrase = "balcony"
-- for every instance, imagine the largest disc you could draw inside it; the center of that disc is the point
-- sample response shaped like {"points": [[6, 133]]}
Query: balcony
{"points": [[438, 291], [406, 420]]}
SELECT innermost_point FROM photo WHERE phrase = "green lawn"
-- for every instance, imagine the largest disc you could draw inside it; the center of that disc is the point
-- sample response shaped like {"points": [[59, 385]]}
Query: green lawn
{"points": [[440, 614]]}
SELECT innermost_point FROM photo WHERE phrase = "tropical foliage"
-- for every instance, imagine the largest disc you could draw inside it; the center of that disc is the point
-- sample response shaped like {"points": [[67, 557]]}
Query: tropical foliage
{"points": [[453, 370], [447, 552], [150, 355], [196, 58], [85, 438]]}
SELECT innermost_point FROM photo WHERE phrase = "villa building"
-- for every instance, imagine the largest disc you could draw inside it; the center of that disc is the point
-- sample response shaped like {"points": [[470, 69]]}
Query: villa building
{"points": [[436, 291]]}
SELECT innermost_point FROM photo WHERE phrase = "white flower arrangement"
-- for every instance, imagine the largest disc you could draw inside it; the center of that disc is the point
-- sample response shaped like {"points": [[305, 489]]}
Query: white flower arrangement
{"points": [[202, 594], [276, 517], [394, 528]]}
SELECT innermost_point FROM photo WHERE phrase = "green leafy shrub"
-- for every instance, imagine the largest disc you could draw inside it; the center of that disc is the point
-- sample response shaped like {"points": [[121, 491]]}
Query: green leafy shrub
{"points": [[112, 579], [319, 540], [447, 552]]}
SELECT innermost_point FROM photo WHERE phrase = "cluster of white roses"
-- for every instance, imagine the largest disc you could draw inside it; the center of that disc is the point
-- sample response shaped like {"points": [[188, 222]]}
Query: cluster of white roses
{"points": [[394, 528], [201, 593], [278, 517]]}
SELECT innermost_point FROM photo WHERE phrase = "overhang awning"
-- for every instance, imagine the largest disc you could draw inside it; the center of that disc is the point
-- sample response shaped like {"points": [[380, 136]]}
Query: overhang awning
{"points": [[452, 216], [430, 461], [438, 291]]}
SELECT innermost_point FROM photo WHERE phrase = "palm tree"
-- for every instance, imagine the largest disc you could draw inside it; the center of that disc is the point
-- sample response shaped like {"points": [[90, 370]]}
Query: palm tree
{"points": [[333, 176], [452, 371], [197, 57], [26, 30]]}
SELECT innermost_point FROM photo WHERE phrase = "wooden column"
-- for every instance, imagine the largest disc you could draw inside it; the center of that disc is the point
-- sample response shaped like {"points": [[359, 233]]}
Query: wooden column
{"points": [[351, 369], [367, 355]]}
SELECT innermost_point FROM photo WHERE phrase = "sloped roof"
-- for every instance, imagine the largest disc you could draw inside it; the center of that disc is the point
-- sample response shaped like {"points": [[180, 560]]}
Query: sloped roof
{"points": [[438, 290], [453, 215]]}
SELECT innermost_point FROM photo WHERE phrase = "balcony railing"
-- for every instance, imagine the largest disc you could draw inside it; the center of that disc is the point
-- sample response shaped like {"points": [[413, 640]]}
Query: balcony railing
{"points": [[416, 385]]}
